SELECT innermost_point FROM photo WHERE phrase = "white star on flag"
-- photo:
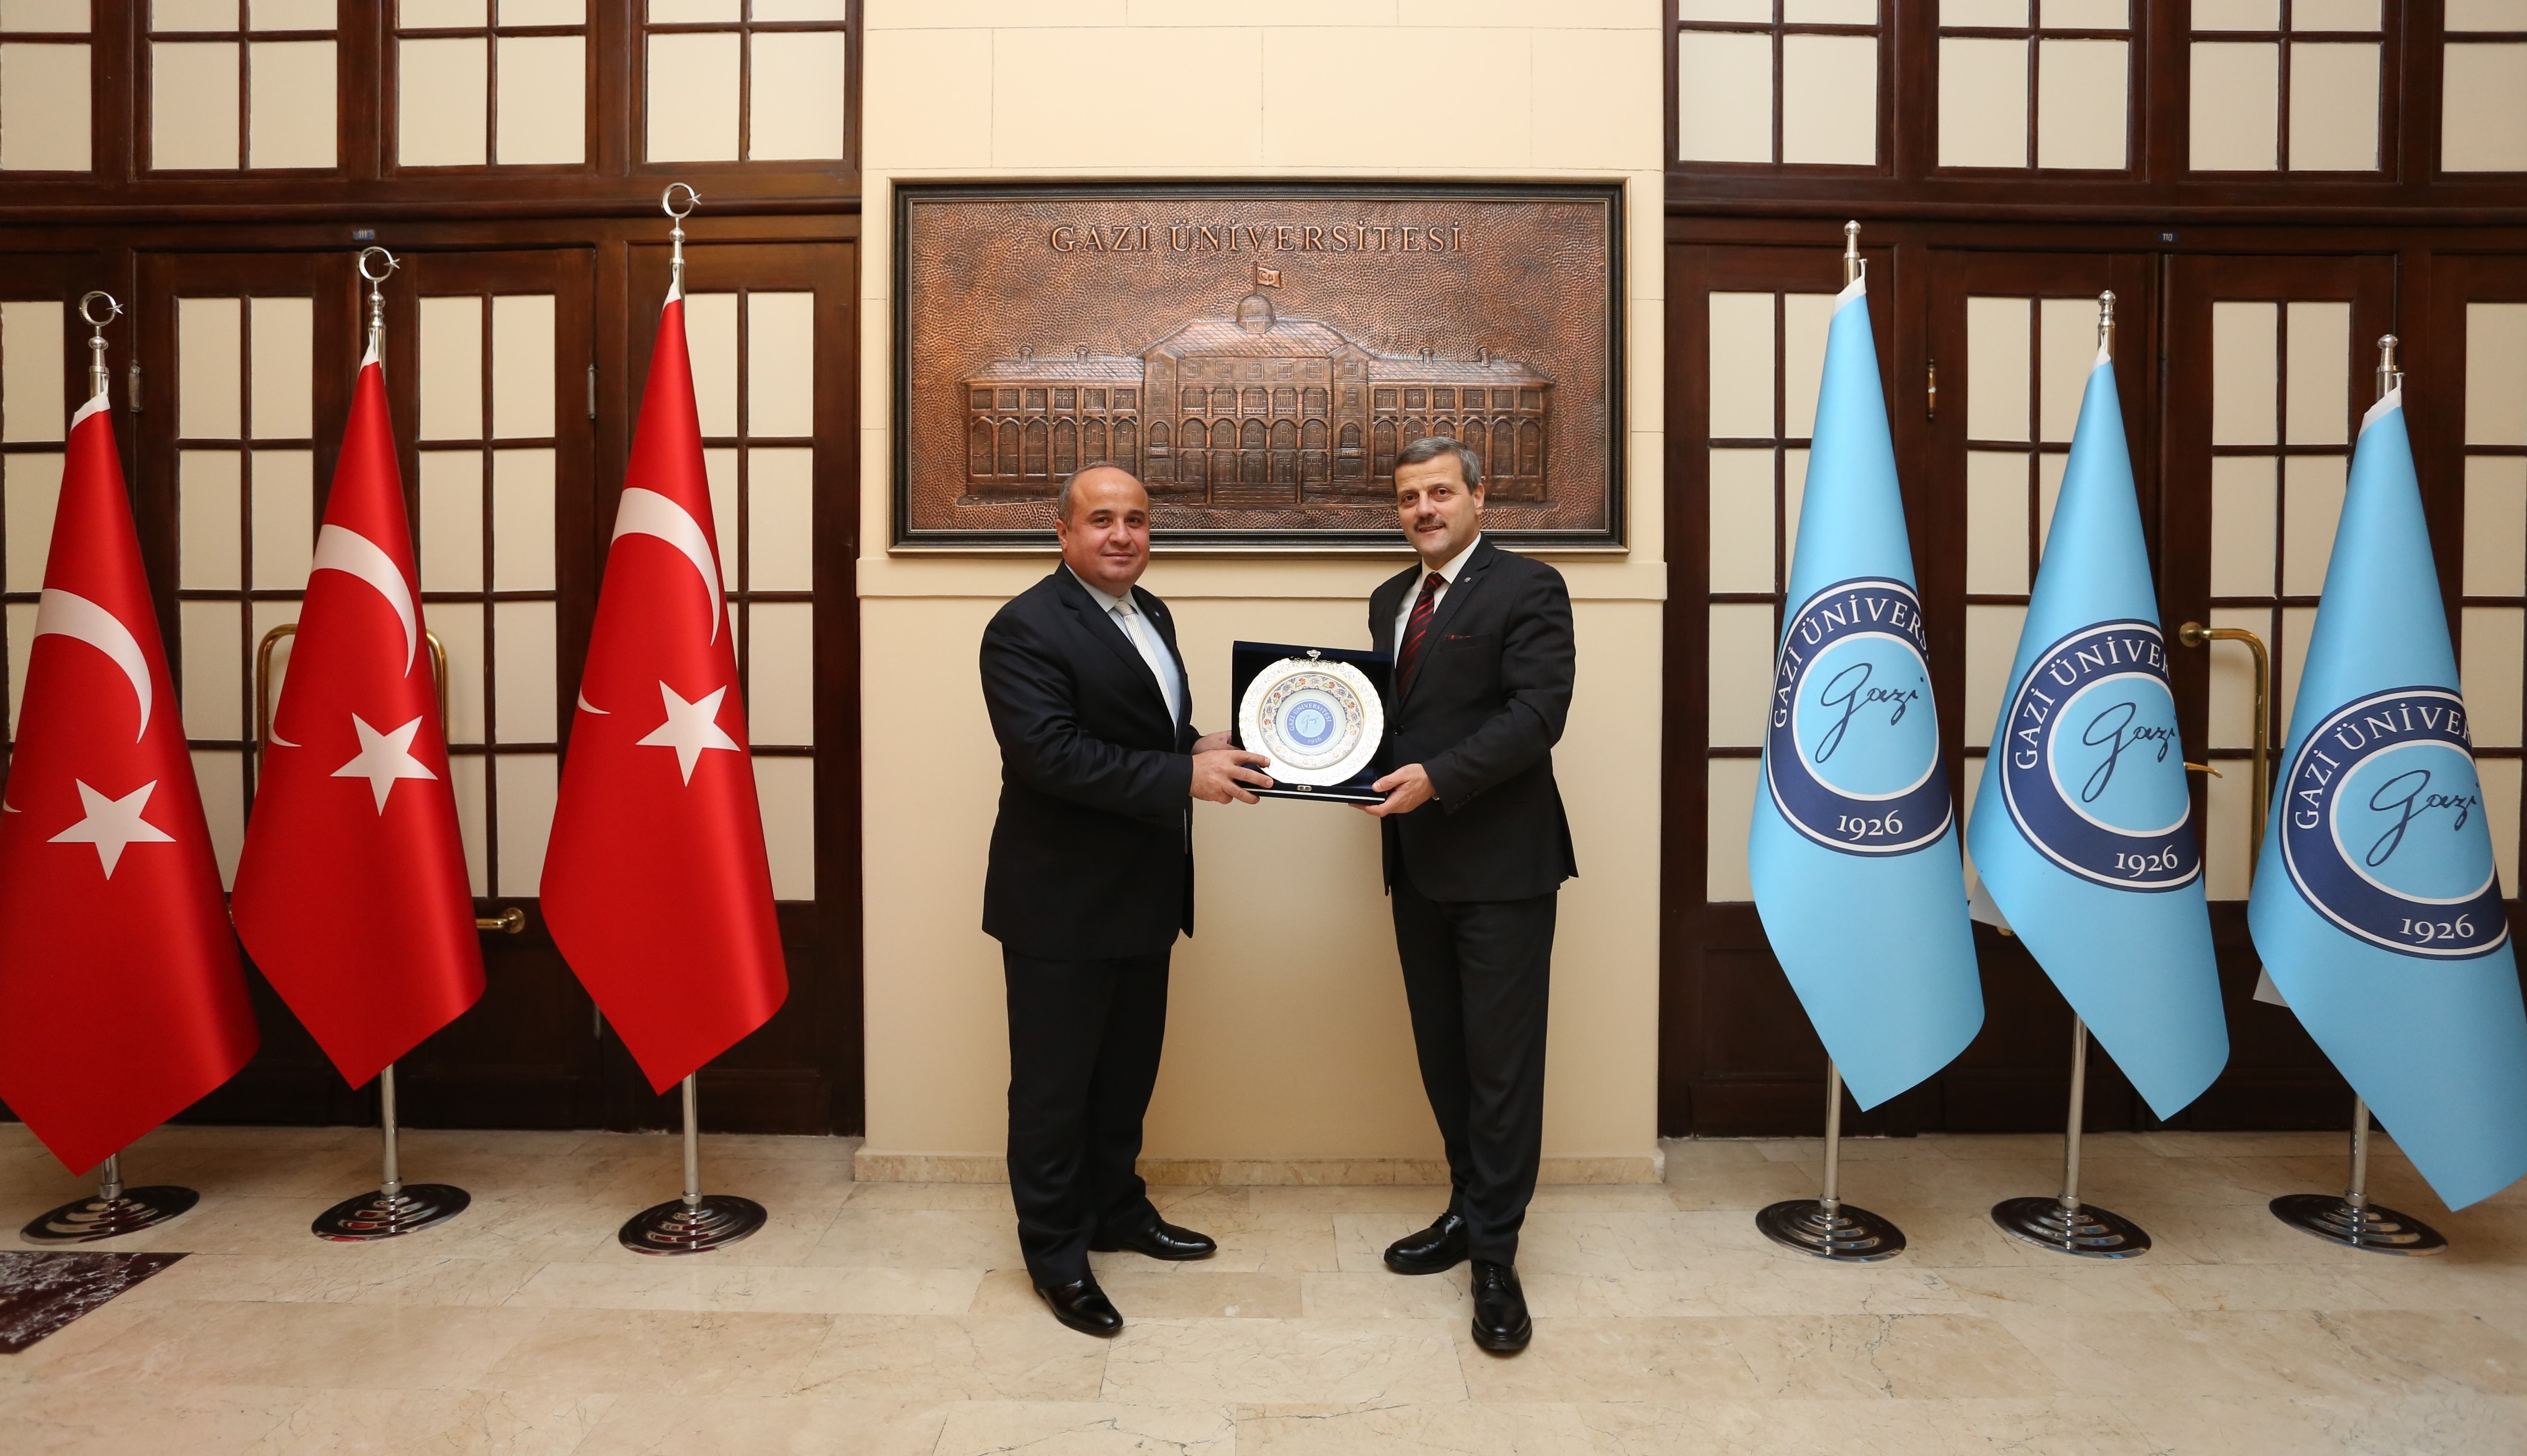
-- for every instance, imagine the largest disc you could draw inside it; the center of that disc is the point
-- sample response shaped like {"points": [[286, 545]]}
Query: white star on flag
{"points": [[691, 727], [110, 825], [384, 758]]}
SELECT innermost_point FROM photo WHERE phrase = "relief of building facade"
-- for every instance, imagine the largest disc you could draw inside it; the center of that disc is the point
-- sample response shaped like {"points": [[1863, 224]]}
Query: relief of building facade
{"points": [[1250, 410]]}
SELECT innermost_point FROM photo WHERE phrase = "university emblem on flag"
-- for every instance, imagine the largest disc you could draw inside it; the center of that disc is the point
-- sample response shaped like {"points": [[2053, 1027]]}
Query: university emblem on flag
{"points": [[2380, 832], [2096, 773], [1852, 747]]}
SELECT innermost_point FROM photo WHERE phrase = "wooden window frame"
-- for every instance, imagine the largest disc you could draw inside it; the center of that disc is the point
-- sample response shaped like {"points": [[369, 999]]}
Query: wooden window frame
{"points": [[1779, 29], [390, 93], [2034, 35], [745, 29]]}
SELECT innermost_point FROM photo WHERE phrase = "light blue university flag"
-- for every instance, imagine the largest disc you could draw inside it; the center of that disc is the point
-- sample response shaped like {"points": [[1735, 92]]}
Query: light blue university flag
{"points": [[2376, 907], [1854, 844], [2082, 827]]}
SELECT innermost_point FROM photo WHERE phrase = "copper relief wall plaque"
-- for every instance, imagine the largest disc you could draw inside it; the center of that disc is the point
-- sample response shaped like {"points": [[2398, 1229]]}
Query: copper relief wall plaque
{"points": [[1255, 354]]}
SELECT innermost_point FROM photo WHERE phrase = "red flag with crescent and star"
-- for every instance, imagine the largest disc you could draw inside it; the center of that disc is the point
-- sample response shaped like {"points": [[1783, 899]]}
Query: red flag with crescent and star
{"points": [[656, 885], [122, 1001], [351, 893]]}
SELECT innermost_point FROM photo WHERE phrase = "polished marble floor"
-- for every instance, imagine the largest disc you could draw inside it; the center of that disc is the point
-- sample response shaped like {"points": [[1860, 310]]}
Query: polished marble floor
{"points": [[894, 1318]]}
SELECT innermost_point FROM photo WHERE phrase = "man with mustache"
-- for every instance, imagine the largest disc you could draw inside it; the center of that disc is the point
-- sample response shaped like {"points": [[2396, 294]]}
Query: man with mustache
{"points": [[1477, 847], [1091, 879]]}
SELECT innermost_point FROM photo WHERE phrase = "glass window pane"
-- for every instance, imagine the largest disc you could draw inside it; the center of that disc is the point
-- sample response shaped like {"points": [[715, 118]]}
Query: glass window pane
{"points": [[212, 681], [797, 95], [1997, 363], [2244, 505], [2333, 108], [2068, 329], [451, 520], [692, 98], [263, 618], [1724, 97], [781, 678], [1992, 644], [780, 364], [2080, 104], [1741, 521], [459, 625], [711, 342], [2485, 15], [210, 494], [1829, 99], [522, 366], [2496, 525], [2230, 808], [2320, 374], [436, 14], [209, 347], [2087, 15], [522, 521], [692, 12], [1806, 318], [2483, 127], [193, 15], [285, 518], [292, 104], [2312, 506], [2231, 718], [2236, 106], [2495, 372], [2495, 636], [2334, 15], [1983, 102], [192, 105], [522, 671], [2048, 492], [2237, 15], [1996, 522], [800, 10], [2007, 14], [44, 111], [781, 555], [785, 788], [290, 15], [33, 380], [221, 773], [43, 14], [441, 108], [21, 616], [284, 368], [1830, 12], [451, 368], [30, 487], [1794, 490], [1742, 366], [528, 785], [1741, 672], [1759, 11], [719, 468], [2244, 379], [544, 80], [2500, 778], [544, 12], [1728, 809]]}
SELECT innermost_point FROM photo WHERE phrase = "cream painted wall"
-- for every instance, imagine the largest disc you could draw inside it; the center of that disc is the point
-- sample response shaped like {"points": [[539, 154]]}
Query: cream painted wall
{"points": [[1286, 1033]]}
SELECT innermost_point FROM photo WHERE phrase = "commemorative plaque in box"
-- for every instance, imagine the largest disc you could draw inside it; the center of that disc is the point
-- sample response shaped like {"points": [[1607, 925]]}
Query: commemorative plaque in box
{"points": [[1318, 713]]}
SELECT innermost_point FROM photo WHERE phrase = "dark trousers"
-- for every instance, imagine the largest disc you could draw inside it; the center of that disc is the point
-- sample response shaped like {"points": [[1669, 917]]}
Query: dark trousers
{"points": [[1477, 974], [1084, 1039]]}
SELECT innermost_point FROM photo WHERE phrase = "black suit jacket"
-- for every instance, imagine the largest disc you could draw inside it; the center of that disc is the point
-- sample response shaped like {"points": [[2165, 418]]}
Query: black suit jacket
{"points": [[1091, 857], [1485, 709]]}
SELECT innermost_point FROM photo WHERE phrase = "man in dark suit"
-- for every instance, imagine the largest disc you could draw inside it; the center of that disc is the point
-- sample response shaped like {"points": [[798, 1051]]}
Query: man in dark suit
{"points": [[1091, 879], [1476, 848]]}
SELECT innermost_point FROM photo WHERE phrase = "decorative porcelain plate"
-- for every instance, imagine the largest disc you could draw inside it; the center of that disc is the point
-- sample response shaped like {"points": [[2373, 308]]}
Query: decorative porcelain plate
{"points": [[1320, 722]]}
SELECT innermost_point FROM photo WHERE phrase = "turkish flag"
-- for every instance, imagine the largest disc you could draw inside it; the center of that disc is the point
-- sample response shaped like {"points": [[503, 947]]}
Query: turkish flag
{"points": [[120, 999], [351, 893], [655, 883]]}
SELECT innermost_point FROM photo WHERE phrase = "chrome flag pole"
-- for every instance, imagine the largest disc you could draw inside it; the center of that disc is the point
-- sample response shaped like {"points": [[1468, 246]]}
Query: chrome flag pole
{"points": [[114, 1210], [698, 1220], [1825, 1226]]}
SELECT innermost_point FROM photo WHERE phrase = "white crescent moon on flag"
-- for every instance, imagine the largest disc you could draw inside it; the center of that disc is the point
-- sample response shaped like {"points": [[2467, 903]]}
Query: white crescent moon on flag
{"points": [[648, 513], [60, 613], [339, 549]]}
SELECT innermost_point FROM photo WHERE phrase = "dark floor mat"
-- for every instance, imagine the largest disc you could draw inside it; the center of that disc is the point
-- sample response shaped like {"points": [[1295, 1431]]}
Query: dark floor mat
{"points": [[43, 1291]]}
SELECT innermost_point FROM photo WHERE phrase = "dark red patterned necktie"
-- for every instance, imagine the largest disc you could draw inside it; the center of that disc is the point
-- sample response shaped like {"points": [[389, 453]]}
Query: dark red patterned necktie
{"points": [[1416, 629]]}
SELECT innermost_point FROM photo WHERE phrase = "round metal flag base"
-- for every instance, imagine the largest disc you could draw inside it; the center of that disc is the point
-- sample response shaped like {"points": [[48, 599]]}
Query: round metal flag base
{"points": [[2381, 1231], [373, 1215], [1849, 1234], [2089, 1233], [92, 1218], [678, 1227]]}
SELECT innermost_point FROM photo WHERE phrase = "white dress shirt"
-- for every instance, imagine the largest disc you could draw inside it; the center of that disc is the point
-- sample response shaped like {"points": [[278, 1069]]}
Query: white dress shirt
{"points": [[1127, 617], [1447, 579]]}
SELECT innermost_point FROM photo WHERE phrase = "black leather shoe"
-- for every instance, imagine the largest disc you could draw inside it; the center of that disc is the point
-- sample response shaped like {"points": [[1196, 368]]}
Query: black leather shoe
{"points": [[1501, 1324], [1434, 1250], [1082, 1306], [1162, 1240]]}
